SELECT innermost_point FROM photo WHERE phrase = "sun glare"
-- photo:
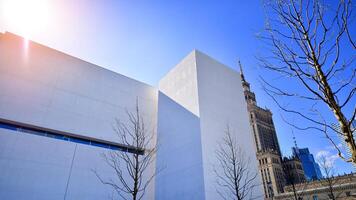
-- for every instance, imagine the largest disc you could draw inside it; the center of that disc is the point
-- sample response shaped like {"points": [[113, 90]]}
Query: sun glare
{"points": [[25, 17]]}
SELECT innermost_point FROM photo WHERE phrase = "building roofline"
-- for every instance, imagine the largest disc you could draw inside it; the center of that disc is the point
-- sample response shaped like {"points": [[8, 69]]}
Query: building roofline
{"points": [[10, 34]]}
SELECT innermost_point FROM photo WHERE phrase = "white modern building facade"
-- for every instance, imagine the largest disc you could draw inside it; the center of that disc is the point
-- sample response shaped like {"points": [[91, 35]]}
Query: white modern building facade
{"points": [[57, 114]]}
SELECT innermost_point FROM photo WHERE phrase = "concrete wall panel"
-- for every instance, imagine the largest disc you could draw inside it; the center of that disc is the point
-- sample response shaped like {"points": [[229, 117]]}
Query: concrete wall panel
{"points": [[179, 154], [42, 87]]}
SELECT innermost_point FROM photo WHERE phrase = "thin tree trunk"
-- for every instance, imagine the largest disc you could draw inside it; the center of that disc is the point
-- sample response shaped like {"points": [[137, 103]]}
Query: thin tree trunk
{"points": [[294, 192]]}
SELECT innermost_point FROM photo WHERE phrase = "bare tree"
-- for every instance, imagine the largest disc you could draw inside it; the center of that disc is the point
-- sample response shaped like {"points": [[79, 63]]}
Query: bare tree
{"points": [[289, 177], [131, 175], [235, 179], [329, 180], [311, 46], [293, 180]]}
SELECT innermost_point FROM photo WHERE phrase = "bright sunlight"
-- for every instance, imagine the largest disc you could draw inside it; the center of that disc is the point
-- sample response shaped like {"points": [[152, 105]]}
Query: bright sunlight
{"points": [[26, 17]]}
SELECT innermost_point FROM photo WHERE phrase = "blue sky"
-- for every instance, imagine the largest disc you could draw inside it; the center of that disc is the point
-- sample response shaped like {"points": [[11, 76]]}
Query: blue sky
{"points": [[145, 39]]}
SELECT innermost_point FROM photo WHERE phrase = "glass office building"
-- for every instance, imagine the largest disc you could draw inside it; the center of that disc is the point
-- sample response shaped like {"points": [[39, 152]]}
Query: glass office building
{"points": [[311, 168]]}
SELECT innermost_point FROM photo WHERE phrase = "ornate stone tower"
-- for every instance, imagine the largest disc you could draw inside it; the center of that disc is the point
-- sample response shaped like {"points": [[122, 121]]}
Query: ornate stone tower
{"points": [[267, 147]]}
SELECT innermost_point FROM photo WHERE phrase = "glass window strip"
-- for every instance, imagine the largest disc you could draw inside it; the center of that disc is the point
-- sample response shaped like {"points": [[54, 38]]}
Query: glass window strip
{"points": [[9, 127], [73, 139]]}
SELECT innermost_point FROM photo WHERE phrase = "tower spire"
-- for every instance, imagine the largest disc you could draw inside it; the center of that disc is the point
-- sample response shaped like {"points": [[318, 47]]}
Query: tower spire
{"points": [[294, 140], [241, 72], [295, 148]]}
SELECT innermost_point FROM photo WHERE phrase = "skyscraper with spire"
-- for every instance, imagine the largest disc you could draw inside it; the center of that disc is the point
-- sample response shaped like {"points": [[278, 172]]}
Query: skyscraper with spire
{"points": [[267, 147], [261, 120]]}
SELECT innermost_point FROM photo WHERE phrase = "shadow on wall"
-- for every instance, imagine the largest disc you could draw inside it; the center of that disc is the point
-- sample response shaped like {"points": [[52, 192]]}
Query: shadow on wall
{"points": [[179, 152]]}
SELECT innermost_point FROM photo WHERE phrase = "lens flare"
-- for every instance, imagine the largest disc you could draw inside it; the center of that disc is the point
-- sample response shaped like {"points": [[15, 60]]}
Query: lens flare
{"points": [[25, 17]]}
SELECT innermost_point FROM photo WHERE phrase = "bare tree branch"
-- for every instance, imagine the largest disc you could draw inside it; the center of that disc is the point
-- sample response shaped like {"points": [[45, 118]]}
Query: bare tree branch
{"points": [[329, 180], [308, 41], [234, 178], [131, 176], [298, 184]]}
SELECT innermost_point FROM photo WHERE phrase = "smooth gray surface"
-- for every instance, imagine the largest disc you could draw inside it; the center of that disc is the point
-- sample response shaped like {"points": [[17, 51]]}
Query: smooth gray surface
{"points": [[213, 93], [47, 88], [179, 157]]}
